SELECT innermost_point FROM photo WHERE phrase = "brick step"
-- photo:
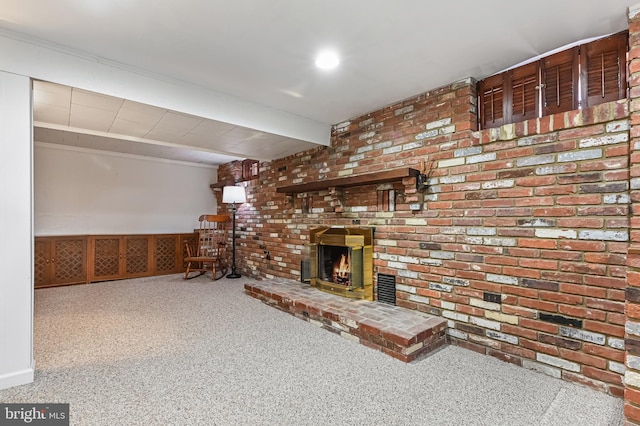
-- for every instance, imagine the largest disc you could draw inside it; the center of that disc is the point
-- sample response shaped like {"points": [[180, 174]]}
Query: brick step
{"points": [[398, 332]]}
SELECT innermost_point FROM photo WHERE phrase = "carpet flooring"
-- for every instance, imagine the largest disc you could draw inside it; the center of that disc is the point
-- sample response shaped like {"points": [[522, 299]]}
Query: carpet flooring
{"points": [[163, 351]]}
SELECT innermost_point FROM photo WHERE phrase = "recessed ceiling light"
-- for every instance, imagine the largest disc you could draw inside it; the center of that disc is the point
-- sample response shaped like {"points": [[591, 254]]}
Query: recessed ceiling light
{"points": [[327, 60]]}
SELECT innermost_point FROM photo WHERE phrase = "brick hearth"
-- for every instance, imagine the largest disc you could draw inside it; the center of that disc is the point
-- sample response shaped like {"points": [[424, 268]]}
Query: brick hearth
{"points": [[403, 334]]}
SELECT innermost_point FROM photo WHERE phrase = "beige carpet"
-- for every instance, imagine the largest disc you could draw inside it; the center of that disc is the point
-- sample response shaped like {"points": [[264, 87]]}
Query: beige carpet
{"points": [[160, 351]]}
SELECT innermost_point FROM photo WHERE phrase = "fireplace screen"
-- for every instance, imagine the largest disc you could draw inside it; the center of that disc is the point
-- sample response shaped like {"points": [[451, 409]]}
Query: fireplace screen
{"points": [[340, 265], [341, 261]]}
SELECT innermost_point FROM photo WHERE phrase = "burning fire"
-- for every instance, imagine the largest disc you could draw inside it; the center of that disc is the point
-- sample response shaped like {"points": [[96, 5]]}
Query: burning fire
{"points": [[341, 271]]}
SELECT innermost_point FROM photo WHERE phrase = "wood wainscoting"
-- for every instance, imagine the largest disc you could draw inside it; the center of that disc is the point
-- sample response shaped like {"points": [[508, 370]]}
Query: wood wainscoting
{"points": [[81, 259]]}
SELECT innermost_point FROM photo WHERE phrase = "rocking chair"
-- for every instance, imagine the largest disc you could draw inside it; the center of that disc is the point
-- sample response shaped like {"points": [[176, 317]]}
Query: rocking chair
{"points": [[209, 253]]}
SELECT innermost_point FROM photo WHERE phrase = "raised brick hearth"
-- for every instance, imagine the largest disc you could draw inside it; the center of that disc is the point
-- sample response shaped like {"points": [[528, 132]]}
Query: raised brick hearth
{"points": [[403, 334]]}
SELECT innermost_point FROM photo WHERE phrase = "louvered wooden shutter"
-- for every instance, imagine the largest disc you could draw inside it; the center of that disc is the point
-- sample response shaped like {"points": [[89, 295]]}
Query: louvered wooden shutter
{"points": [[560, 78], [491, 94], [523, 92], [604, 76]]}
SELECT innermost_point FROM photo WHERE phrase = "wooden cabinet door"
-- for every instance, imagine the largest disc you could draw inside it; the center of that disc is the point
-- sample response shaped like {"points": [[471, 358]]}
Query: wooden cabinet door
{"points": [[41, 260], [68, 263], [105, 257], [167, 257], [137, 256]]}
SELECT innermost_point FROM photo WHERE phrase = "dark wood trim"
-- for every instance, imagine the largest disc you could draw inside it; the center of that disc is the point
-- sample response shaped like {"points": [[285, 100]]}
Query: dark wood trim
{"points": [[349, 181], [221, 185]]}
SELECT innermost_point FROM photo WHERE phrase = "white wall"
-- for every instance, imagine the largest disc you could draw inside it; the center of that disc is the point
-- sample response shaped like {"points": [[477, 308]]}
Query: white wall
{"points": [[83, 191], [16, 251]]}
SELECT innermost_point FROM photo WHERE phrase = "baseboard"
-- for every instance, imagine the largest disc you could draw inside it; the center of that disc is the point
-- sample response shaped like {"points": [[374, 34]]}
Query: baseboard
{"points": [[17, 378]]}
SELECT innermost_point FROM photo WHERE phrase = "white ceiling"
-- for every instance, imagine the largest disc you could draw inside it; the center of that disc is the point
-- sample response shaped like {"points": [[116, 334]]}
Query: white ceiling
{"points": [[262, 52]]}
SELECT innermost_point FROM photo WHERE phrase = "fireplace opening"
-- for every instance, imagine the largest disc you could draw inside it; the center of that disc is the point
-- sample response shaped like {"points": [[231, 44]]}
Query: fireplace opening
{"points": [[334, 265], [341, 261]]}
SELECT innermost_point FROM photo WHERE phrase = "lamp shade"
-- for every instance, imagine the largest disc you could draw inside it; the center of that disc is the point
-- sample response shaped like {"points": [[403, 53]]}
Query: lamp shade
{"points": [[233, 194]]}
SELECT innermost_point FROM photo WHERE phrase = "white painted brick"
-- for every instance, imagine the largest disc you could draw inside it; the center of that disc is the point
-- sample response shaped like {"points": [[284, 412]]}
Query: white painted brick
{"points": [[438, 123], [558, 362], [632, 378], [427, 134], [392, 150], [431, 262], [382, 145], [600, 235], [481, 231], [587, 336], [451, 162], [632, 328], [409, 259], [447, 255], [503, 337], [412, 145], [633, 362], [616, 199], [388, 243], [350, 337], [440, 287], [492, 325], [473, 150], [447, 130], [616, 367], [541, 368], [457, 334], [388, 257], [502, 279], [589, 154], [448, 306], [408, 274], [419, 299], [506, 183], [397, 265], [534, 161], [406, 288], [453, 179], [455, 281], [617, 126], [484, 341], [615, 343], [491, 156], [479, 303], [455, 316], [604, 140], [556, 233], [316, 322], [338, 326], [505, 242]]}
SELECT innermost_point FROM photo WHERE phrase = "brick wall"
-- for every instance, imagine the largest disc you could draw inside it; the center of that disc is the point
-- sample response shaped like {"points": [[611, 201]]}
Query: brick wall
{"points": [[534, 214], [520, 240], [632, 336]]}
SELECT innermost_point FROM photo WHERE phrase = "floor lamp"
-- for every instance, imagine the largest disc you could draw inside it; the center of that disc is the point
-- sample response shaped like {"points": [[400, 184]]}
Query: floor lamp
{"points": [[233, 195]]}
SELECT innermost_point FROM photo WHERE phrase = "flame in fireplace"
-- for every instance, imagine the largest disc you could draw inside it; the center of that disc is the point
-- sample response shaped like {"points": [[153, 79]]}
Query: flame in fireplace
{"points": [[341, 271]]}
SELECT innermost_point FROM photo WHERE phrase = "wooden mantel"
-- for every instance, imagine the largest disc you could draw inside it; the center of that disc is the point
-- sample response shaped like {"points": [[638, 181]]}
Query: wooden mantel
{"points": [[348, 181]]}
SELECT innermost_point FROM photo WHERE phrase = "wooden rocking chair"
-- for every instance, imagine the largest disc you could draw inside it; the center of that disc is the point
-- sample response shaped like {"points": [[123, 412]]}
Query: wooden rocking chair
{"points": [[210, 251]]}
